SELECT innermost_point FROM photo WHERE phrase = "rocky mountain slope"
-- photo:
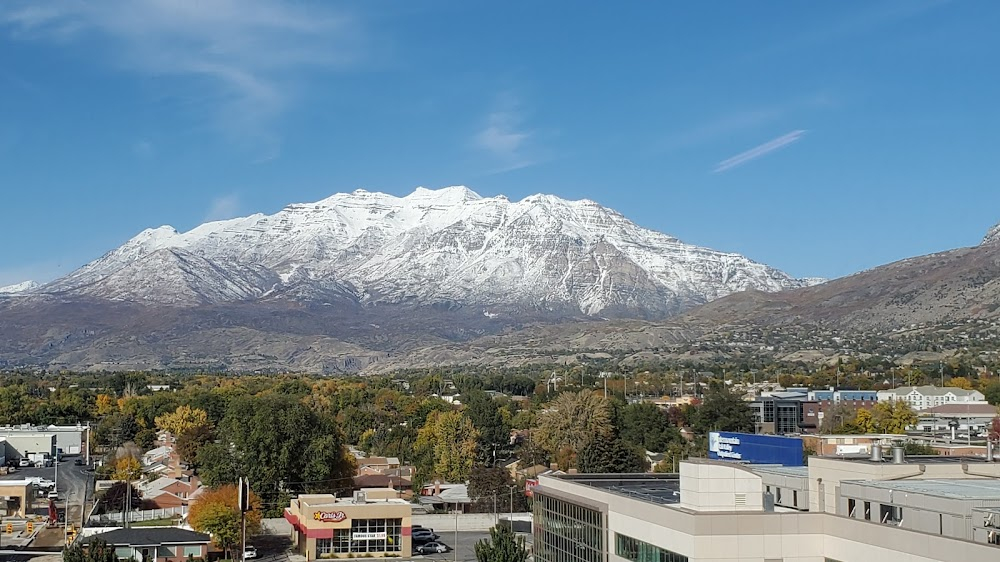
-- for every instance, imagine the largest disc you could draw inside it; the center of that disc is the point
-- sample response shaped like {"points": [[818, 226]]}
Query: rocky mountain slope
{"points": [[447, 248], [949, 298], [359, 279]]}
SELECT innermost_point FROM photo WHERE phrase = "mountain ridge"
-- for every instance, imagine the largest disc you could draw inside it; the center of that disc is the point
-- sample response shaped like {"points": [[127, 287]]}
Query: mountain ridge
{"points": [[433, 247]]}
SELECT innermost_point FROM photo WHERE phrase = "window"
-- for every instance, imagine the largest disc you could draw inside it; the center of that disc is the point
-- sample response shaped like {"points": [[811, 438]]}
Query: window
{"points": [[851, 505], [364, 536], [890, 514], [192, 551], [777, 497], [868, 511], [123, 552], [567, 532], [795, 498], [639, 551]]}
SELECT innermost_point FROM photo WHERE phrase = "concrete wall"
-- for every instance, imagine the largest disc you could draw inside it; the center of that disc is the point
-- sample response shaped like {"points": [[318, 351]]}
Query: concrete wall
{"points": [[711, 486], [445, 523]]}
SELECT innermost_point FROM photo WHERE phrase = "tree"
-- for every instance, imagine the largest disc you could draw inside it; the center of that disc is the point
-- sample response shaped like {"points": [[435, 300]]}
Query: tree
{"points": [[127, 468], [865, 422], [487, 417], [96, 551], [893, 417], [182, 420], [723, 410], [647, 426], [117, 497], [501, 546], [104, 405], [960, 382], [992, 392], [216, 511], [272, 438], [490, 488], [572, 420], [192, 440], [919, 449], [449, 439], [603, 455], [839, 420]]}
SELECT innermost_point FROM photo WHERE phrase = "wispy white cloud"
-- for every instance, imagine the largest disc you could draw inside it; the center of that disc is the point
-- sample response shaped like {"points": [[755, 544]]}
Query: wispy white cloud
{"points": [[244, 54], [759, 151], [505, 138], [224, 207]]}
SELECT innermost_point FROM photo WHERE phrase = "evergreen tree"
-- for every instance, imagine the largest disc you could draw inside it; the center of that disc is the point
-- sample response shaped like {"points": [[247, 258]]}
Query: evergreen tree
{"points": [[502, 546], [610, 456]]}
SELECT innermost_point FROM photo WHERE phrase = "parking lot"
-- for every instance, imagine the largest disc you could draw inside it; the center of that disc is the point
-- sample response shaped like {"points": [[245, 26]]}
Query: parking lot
{"points": [[275, 548], [73, 484]]}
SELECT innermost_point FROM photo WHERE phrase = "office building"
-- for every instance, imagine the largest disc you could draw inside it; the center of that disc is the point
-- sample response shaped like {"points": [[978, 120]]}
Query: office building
{"points": [[921, 509]]}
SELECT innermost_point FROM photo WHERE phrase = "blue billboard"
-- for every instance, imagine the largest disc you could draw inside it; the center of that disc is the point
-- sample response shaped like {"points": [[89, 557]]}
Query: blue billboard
{"points": [[755, 449]]}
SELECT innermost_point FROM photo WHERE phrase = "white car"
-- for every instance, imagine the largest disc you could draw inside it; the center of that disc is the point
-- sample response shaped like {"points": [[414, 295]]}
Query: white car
{"points": [[45, 483], [24, 463], [249, 552], [53, 495]]}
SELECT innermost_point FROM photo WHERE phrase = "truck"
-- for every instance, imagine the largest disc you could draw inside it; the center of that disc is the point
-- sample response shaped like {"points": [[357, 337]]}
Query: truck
{"points": [[38, 459]]}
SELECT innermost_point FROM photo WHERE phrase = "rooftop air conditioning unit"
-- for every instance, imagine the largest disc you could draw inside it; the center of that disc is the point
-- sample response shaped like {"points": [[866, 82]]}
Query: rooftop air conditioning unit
{"points": [[360, 497]]}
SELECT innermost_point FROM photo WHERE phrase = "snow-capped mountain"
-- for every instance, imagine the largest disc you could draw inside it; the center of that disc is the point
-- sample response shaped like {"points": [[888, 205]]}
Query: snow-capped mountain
{"points": [[447, 247], [21, 287]]}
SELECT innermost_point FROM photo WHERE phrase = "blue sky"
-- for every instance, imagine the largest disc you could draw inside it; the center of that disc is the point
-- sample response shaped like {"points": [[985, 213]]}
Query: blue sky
{"points": [[820, 138]]}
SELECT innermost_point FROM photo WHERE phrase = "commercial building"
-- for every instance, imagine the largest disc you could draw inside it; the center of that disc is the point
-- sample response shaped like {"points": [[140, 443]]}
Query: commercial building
{"points": [[923, 397], [15, 495], [21, 444], [374, 523], [52, 439], [791, 411], [921, 509], [964, 417]]}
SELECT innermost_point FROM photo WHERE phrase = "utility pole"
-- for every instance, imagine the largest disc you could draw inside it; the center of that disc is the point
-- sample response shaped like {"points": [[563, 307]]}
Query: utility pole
{"points": [[244, 504], [511, 508], [455, 550], [941, 366]]}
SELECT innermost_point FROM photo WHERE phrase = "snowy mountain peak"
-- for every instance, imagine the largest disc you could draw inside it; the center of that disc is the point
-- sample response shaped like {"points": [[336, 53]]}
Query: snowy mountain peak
{"points": [[16, 288], [992, 235], [430, 247]]}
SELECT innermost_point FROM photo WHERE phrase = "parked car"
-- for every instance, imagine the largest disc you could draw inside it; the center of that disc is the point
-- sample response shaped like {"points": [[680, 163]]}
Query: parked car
{"points": [[433, 547], [249, 552], [424, 535], [78, 462], [45, 483], [24, 463], [53, 495]]}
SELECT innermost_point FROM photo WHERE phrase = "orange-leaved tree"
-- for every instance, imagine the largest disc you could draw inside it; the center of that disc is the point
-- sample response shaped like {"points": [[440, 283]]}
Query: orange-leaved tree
{"points": [[216, 512]]}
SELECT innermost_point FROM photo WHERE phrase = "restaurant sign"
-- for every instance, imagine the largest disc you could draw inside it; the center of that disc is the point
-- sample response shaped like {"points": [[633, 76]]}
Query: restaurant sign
{"points": [[329, 516], [375, 536]]}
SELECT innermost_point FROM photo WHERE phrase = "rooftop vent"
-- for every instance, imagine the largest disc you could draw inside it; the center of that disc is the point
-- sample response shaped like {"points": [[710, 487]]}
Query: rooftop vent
{"points": [[898, 454], [876, 452]]}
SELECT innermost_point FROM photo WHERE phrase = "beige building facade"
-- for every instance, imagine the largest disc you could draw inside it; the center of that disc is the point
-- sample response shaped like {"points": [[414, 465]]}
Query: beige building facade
{"points": [[716, 511], [375, 523]]}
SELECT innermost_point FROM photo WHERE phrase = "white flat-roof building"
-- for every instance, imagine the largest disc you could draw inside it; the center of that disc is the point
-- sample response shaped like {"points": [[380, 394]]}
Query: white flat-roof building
{"points": [[70, 439], [924, 397], [921, 509]]}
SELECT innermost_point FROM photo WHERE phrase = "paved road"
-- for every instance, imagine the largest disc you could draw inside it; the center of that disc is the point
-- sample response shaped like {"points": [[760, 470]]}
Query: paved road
{"points": [[74, 484]]}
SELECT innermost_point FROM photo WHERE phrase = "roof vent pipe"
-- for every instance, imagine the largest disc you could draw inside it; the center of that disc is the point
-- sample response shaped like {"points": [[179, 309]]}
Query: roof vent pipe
{"points": [[898, 454], [876, 452]]}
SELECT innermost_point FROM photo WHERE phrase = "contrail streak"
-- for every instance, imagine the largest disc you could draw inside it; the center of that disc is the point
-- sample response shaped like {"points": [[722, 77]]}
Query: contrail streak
{"points": [[758, 151]]}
